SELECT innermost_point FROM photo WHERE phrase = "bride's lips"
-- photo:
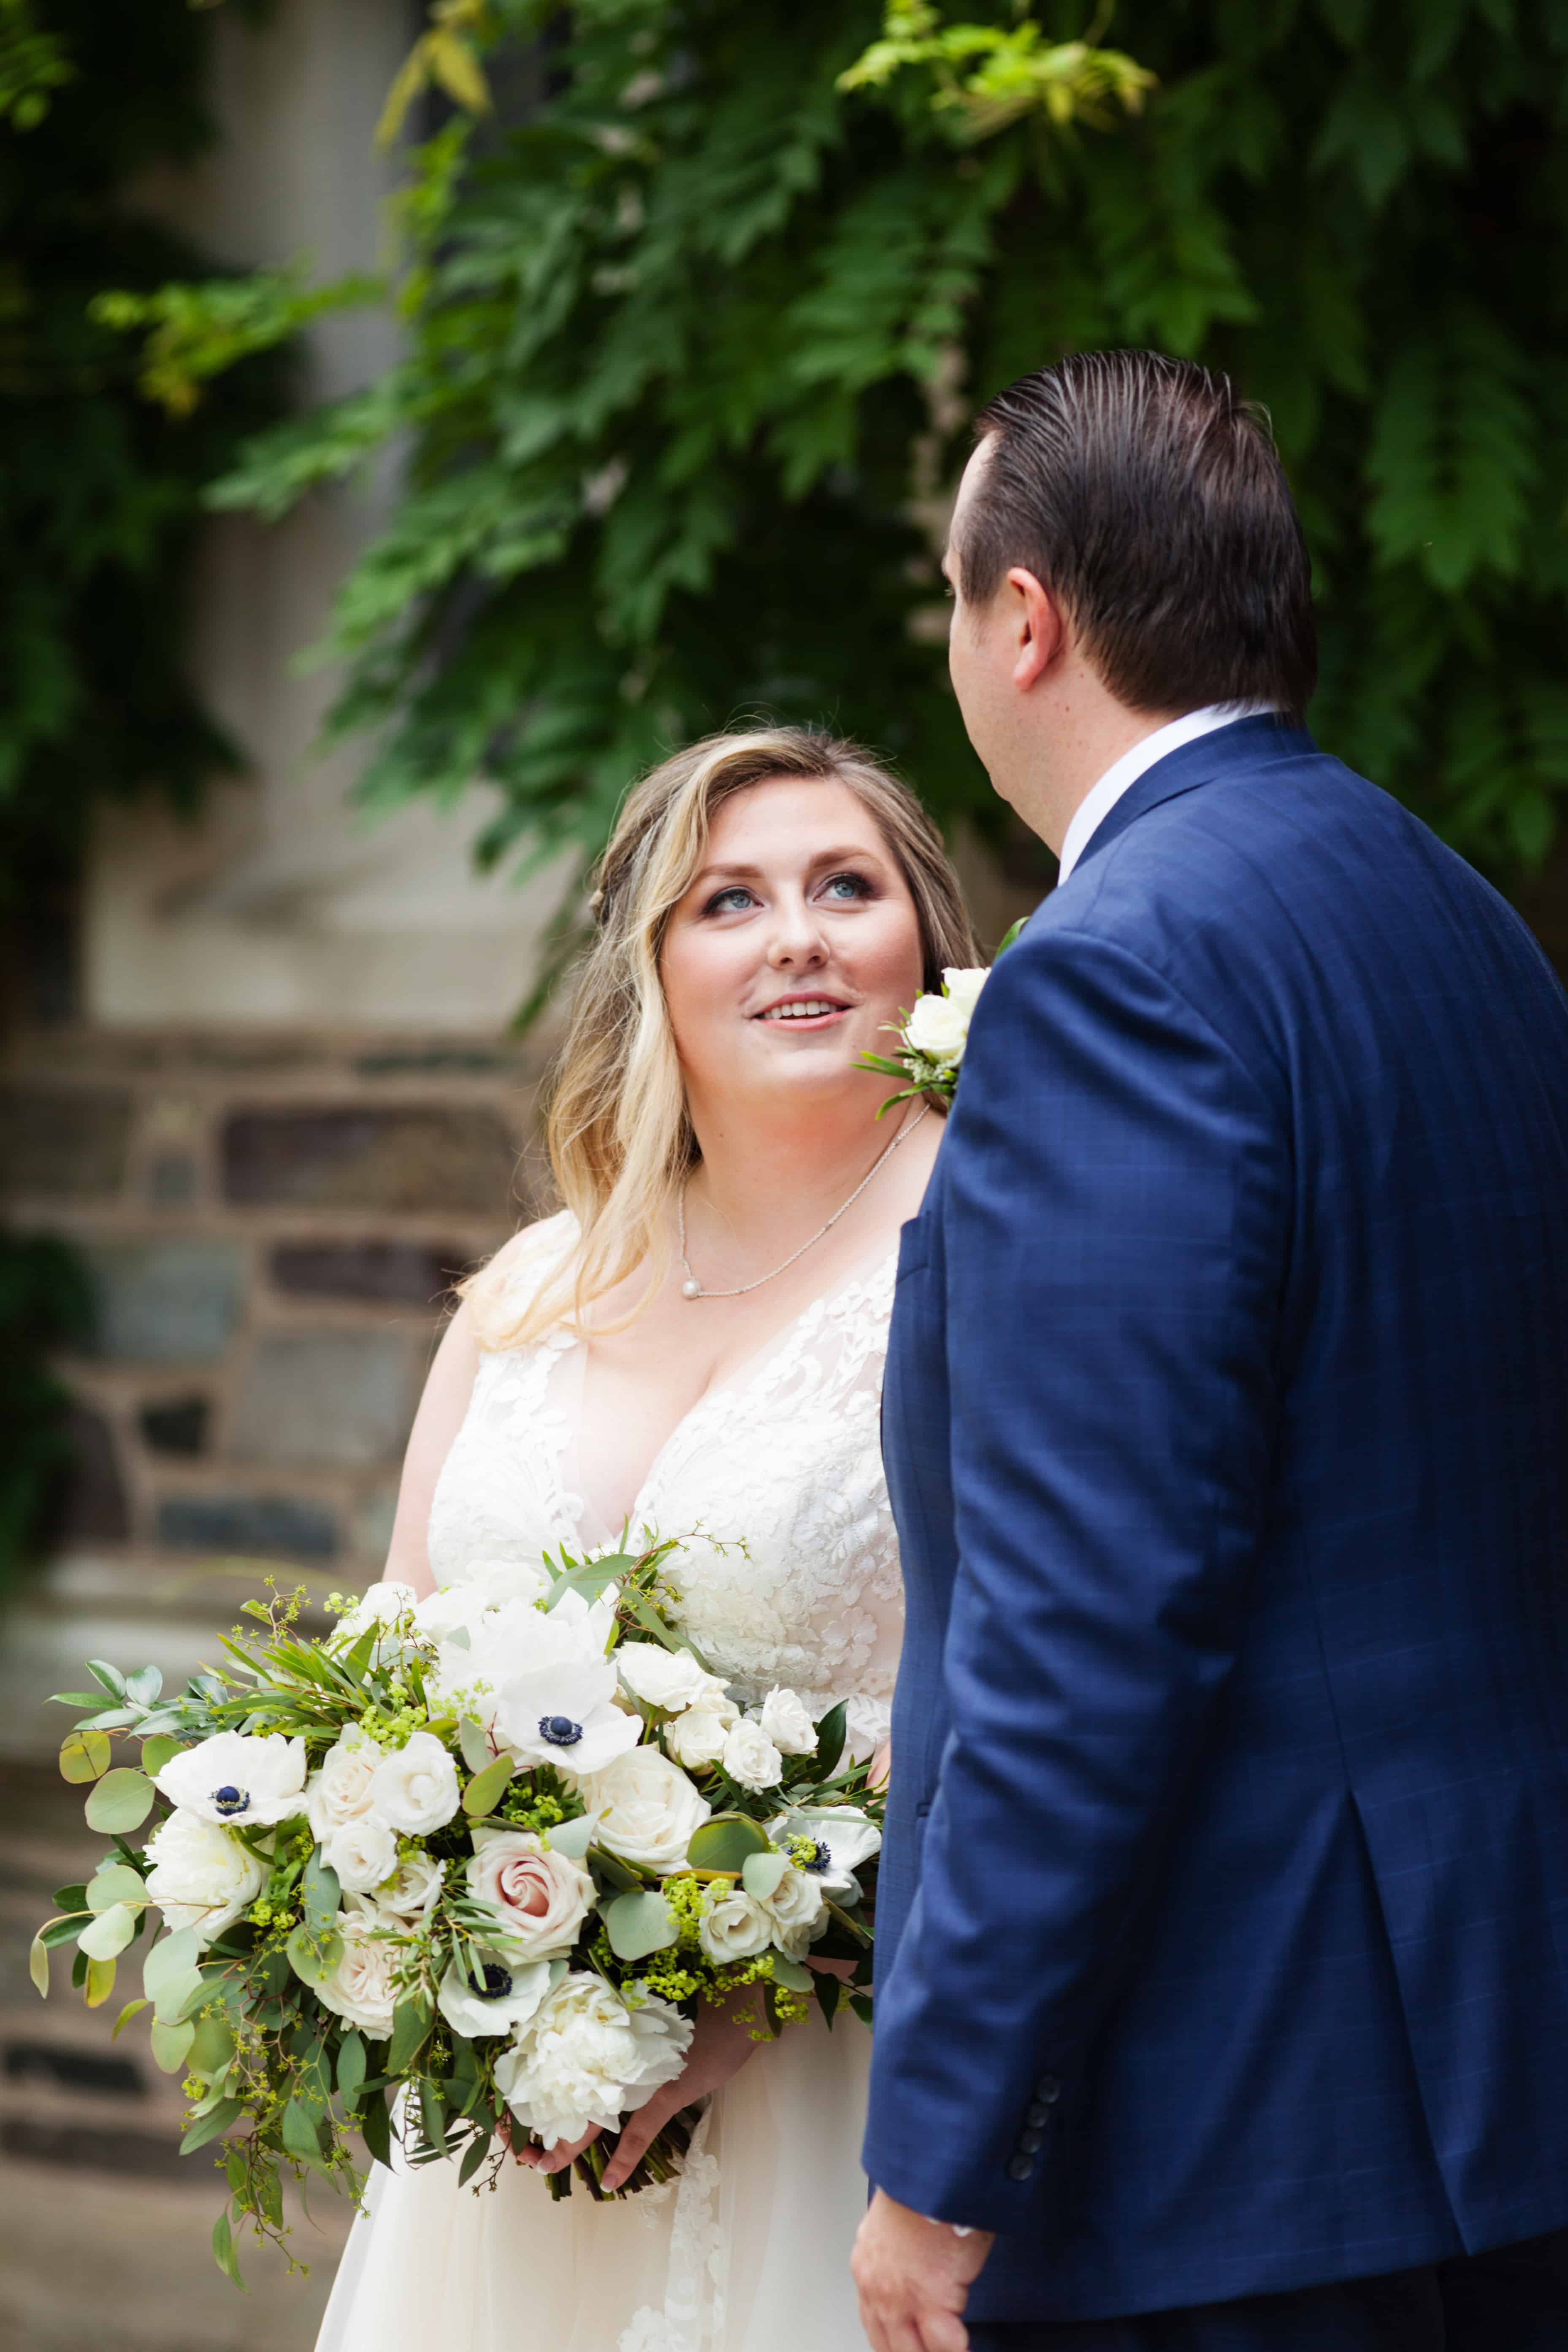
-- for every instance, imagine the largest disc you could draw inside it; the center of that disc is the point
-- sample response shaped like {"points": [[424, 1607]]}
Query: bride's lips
{"points": [[776, 1017]]}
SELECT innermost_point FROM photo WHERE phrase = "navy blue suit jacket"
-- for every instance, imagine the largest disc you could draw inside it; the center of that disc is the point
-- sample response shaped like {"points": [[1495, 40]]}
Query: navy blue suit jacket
{"points": [[1222, 1934]]}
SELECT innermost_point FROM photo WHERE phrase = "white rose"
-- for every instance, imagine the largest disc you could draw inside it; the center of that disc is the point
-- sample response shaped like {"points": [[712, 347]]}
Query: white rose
{"points": [[797, 1912], [786, 1723], [844, 1837], [698, 1737], [364, 1853], [451, 1608], [201, 1877], [234, 1777], [734, 1925], [668, 1678], [384, 1605], [409, 1896], [585, 2057], [963, 984], [360, 1989], [416, 1787], [938, 1028], [511, 1991], [646, 1808], [339, 1792], [751, 1757], [540, 1897]]}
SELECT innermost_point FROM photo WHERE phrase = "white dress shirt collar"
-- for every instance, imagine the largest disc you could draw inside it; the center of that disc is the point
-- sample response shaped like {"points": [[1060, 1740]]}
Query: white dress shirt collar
{"points": [[1102, 797]]}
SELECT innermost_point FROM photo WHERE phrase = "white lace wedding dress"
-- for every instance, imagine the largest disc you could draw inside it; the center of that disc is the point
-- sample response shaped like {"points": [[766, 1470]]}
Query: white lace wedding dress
{"points": [[749, 2252]]}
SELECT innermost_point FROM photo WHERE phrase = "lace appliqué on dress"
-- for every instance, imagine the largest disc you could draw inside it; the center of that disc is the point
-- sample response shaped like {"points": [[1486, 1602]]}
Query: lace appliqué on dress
{"points": [[693, 2315]]}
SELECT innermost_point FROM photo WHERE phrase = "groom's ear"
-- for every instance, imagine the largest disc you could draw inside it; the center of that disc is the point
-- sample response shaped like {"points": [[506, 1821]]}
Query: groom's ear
{"points": [[1040, 627]]}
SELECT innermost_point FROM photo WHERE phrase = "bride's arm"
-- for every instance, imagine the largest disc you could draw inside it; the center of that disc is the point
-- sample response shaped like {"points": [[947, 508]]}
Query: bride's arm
{"points": [[435, 1424]]}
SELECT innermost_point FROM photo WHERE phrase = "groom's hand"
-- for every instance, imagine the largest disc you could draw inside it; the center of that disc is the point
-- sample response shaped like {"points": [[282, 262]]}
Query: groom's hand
{"points": [[913, 2277]]}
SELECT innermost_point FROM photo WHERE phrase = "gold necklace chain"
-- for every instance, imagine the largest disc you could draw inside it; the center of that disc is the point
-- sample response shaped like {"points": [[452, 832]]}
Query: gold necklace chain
{"points": [[692, 1288]]}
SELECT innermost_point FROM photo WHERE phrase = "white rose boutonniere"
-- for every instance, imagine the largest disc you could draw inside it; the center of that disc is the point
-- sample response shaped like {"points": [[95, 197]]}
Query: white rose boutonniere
{"points": [[933, 1036]]}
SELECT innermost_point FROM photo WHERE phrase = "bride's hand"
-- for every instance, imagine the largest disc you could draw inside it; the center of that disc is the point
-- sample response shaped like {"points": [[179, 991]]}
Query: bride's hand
{"points": [[721, 2046]]}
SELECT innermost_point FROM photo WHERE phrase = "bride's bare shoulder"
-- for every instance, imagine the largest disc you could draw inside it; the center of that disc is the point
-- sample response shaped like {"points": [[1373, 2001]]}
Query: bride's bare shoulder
{"points": [[501, 1293]]}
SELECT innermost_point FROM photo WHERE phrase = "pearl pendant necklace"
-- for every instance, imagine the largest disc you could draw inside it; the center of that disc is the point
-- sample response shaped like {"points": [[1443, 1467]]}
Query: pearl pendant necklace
{"points": [[692, 1289]]}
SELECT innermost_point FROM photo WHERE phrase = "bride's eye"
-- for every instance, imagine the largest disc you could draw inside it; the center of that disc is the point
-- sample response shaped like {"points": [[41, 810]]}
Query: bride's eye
{"points": [[843, 889], [731, 901]]}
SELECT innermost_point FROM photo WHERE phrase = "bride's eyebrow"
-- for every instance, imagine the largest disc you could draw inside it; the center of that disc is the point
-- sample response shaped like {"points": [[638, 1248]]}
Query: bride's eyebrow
{"points": [[856, 850]]}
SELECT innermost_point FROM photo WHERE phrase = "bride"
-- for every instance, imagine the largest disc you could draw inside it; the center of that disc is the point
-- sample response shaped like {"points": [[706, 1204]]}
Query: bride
{"points": [[696, 1339]]}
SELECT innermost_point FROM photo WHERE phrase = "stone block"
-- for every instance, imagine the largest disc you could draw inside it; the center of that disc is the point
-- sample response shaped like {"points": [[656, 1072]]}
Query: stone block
{"points": [[370, 1534], [457, 1159], [167, 1302], [92, 1506], [176, 1424], [264, 1525], [394, 1273], [324, 1397], [64, 1143]]}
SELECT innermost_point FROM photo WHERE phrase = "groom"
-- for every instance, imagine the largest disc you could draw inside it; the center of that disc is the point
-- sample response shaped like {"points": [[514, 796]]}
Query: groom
{"points": [[1222, 1934]]}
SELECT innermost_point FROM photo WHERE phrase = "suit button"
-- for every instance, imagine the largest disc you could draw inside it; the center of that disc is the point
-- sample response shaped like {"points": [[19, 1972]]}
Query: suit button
{"points": [[1020, 2168], [1037, 2113], [1049, 2090], [1031, 2142]]}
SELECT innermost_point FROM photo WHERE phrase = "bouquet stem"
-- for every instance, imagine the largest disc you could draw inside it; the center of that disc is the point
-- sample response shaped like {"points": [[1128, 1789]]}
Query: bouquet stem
{"points": [[661, 2161]]}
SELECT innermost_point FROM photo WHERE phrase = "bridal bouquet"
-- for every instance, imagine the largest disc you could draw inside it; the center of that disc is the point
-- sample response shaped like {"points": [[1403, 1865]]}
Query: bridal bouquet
{"points": [[461, 1870]]}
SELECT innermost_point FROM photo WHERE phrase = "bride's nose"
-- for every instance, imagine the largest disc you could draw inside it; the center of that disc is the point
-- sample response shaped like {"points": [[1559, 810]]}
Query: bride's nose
{"points": [[796, 943]]}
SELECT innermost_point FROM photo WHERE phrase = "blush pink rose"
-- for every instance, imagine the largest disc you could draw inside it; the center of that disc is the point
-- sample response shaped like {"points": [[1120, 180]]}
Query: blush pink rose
{"points": [[540, 1897]]}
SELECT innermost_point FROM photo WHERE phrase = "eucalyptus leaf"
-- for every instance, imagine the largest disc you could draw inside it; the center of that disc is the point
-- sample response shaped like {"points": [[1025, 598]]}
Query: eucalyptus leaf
{"points": [[169, 2000], [211, 2046], [171, 1957], [109, 1677], [224, 2253], [170, 2045], [479, 2147], [121, 1801], [761, 1874], [432, 2114], [375, 2127], [790, 1974], [410, 2030], [158, 1751], [106, 1935], [301, 2133], [485, 1790], [476, 1747], [85, 1755], [725, 1842], [38, 1965], [132, 2009], [320, 1891], [573, 1837], [639, 1923], [350, 2068], [145, 1685], [118, 1882], [212, 2125], [100, 1979]]}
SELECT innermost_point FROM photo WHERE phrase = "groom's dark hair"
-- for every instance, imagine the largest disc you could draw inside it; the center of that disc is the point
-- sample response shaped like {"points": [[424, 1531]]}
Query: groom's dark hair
{"points": [[1141, 492]]}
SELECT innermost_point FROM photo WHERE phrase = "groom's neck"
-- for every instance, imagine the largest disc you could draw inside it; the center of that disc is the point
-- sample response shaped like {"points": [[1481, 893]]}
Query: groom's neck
{"points": [[1072, 737]]}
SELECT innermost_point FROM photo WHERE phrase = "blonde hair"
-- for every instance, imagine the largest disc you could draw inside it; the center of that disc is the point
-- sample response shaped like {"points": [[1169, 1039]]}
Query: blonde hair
{"points": [[619, 1137]]}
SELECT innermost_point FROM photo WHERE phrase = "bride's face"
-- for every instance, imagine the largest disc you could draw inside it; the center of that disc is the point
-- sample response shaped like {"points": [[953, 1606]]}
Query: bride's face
{"points": [[795, 946]]}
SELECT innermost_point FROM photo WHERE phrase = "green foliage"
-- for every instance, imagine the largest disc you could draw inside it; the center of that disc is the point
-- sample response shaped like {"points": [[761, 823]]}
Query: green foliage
{"points": [[100, 494], [692, 348], [45, 1303]]}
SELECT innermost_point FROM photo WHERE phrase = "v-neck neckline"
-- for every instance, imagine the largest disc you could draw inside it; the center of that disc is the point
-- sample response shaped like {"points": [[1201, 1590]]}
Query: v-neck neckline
{"points": [[746, 1375]]}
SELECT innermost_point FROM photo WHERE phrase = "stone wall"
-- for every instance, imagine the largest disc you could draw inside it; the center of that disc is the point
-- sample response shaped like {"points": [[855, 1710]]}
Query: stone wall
{"points": [[272, 1224]]}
